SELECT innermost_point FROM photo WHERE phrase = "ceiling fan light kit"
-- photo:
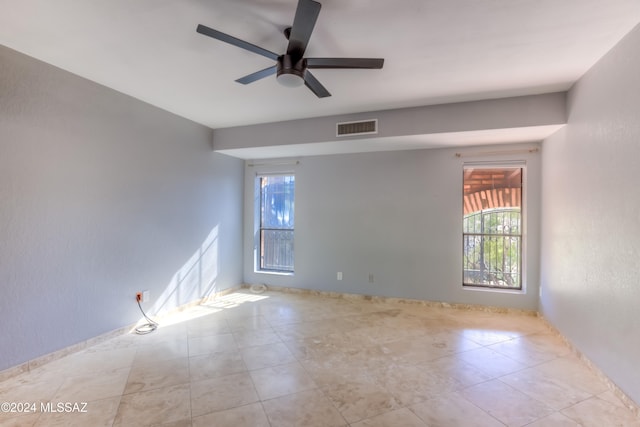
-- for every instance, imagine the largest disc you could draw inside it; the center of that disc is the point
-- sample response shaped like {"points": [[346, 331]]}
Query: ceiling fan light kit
{"points": [[292, 68], [289, 73]]}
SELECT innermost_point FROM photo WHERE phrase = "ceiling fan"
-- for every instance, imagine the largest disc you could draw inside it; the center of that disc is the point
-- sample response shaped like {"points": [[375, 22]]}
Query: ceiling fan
{"points": [[292, 68]]}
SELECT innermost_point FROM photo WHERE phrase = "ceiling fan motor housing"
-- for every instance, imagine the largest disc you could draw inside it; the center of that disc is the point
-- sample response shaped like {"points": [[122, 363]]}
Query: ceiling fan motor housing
{"points": [[290, 71]]}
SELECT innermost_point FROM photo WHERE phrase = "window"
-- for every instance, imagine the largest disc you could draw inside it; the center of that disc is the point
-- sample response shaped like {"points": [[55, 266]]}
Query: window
{"points": [[492, 227], [276, 222]]}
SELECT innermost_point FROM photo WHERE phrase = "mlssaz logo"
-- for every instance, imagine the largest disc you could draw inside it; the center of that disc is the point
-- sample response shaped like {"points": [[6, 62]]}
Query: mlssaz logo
{"points": [[64, 407]]}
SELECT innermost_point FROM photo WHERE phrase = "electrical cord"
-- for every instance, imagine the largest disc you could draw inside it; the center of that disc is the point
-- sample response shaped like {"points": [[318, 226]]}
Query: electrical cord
{"points": [[147, 328], [258, 289]]}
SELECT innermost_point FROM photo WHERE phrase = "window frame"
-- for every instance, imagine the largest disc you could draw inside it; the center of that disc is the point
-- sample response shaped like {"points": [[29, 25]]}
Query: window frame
{"points": [[260, 227], [516, 164]]}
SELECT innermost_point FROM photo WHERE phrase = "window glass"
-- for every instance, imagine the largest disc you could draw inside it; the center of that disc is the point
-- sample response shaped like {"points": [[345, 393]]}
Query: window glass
{"points": [[277, 207], [492, 227]]}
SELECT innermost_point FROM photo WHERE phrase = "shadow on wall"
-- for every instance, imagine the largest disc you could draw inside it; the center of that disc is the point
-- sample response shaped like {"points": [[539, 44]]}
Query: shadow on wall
{"points": [[195, 280]]}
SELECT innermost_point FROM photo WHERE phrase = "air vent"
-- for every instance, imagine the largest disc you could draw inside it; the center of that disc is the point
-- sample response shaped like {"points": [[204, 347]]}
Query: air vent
{"points": [[365, 127]]}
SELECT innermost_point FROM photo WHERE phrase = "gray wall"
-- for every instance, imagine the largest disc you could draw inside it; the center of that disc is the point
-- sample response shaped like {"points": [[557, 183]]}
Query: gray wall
{"points": [[396, 215], [591, 217], [505, 113], [102, 196]]}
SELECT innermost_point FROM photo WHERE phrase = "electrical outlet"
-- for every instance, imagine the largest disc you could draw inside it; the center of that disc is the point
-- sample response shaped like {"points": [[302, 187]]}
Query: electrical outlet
{"points": [[142, 296], [339, 275]]}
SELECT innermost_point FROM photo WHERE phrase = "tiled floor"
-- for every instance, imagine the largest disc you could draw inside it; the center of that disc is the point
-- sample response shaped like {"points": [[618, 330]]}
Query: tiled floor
{"points": [[281, 359]]}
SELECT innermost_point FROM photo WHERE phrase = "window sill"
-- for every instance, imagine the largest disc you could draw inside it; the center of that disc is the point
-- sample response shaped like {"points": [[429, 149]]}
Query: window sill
{"points": [[275, 273], [495, 290]]}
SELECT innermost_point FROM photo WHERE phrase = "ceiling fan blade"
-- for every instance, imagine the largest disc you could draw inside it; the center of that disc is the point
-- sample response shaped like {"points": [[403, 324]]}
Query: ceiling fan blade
{"points": [[303, 23], [258, 75], [316, 87], [369, 63], [202, 29]]}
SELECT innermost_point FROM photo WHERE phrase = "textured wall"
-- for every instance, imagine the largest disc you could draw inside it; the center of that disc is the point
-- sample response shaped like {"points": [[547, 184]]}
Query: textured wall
{"points": [[591, 217], [101, 196], [503, 113], [396, 215]]}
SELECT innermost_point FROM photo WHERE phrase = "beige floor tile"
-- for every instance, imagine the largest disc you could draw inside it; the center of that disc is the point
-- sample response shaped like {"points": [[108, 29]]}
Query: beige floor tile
{"points": [[276, 381], [312, 329], [330, 325], [171, 348], [222, 393], [463, 373], [215, 365], [373, 319], [165, 332], [29, 388], [511, 323], [267, 355], [548, 389], [490, 362], [532, 349], [156, 374], [360, 399], [349, 342], [119, 342], [292, 359], [427, 347], [180, 423], [291, 331], [526, 324], [89, 388], [308, 408], [47, 376], [284, 317], [251, 415], [411, 384], [488, 336], [211, 344], [371, 335], [149, 340], [601, 410], [453, 410], [19, 419], [238, 323], [570, 370], [153, 407], [89, 362], [209, 325], [505, 403], [373, 359], [26, 389], [333, 369], [253, 338], [555, 420], [313, 348], [99, 413], [400, 417], [390, 316]]}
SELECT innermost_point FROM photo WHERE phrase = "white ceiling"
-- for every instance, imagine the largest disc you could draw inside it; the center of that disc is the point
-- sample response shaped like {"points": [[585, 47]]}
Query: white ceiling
{"points": [[436, 51]]}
